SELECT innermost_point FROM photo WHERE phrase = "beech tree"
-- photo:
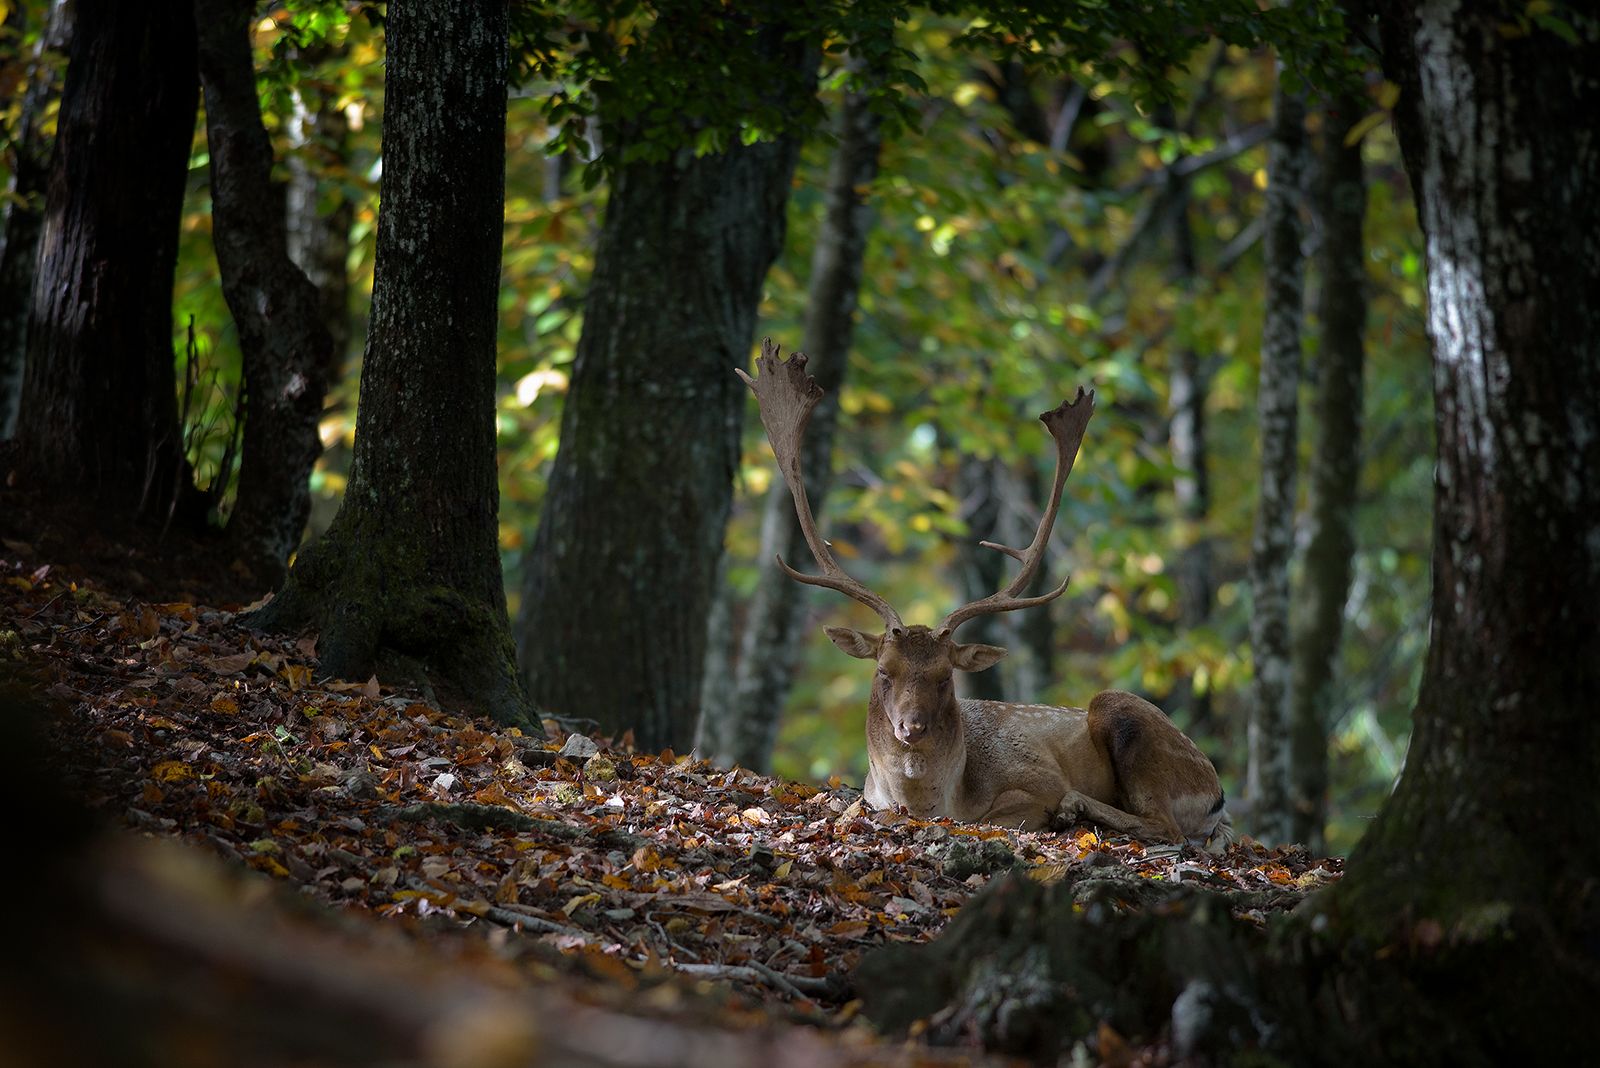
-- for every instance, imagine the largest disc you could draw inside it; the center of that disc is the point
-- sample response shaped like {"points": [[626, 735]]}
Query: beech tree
{"points": [[1278, 402], [99, 405], [285, 346], [624, 563], [407, 578], [1341, 195]]}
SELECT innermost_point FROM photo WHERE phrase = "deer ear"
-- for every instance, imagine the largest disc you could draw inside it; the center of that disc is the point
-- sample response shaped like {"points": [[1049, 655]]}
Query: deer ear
{"points": [[856, 644], [976, 657]]}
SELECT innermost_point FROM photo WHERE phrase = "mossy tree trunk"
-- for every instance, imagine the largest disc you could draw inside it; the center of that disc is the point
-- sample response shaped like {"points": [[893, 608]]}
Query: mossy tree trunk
{"points": [[623, 567], [1467, 929], [408, 575], [99, 407], [284, 344]]}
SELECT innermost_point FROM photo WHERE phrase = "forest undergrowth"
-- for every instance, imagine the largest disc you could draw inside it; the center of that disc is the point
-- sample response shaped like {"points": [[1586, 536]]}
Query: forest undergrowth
{"points": [[434, 888]]}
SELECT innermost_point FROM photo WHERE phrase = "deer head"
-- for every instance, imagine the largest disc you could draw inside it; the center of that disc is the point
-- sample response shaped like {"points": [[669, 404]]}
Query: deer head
{"points": [[914, 687]]}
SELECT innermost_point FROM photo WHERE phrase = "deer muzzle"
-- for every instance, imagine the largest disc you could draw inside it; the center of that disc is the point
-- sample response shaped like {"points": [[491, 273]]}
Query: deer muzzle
{"points": [[910, 732]]}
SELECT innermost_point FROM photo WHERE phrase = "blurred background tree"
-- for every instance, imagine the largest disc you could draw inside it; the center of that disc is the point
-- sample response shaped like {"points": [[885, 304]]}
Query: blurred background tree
{"points": [[1036, 225]]}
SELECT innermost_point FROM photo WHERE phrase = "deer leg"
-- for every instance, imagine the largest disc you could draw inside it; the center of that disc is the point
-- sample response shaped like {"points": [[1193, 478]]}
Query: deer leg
{"points": [[1163, 782], [1076, 807], [1019, 809]]}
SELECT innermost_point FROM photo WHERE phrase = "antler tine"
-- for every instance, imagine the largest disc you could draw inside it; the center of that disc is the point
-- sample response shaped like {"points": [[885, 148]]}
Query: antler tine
{"points": [[1066, 424], [786, 395]]}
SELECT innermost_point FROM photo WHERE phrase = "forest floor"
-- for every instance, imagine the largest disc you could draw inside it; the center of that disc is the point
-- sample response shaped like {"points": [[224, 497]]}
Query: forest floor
{"points": [[279, 868]]}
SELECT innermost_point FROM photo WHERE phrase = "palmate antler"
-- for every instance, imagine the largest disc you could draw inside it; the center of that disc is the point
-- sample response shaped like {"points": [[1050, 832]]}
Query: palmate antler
{"points": [[786, 395], [1066, 424]]}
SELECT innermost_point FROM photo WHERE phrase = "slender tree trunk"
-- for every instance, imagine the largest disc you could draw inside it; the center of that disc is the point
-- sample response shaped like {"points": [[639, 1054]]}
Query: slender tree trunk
{"points": [[408, 575], [621, 576], [1277, 405], [99, 409], [979, 488], [773, 635], [1030, 633], [24, 206], [319, 221], [1191, 490], [1335, 468], [276, 310]]}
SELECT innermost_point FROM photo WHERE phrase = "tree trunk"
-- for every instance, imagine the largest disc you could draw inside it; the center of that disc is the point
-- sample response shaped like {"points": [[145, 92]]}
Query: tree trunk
{"points": [[408, 574], [1191, 490], [1273, 544], [1505, 746], [769, 651], [621, 576], [284, 344], [1031, 633], [319, 231], [979, 483], [1335, 468], [24, 206], [99, 408]]}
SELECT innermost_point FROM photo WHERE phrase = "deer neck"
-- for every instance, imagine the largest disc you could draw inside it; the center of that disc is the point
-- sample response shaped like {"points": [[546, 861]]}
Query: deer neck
{"points": [[925, 778]]}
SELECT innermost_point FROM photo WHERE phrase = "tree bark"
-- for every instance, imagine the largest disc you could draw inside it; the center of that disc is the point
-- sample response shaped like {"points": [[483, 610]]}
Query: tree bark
{"points": [[1335, 468], [623, 566], [746, 731], [979, 488], [24, 206], [1186, 434], [1277, 405], [284, 345], [99, 409], [408, 575], [1031, 633], [1505, 745]]}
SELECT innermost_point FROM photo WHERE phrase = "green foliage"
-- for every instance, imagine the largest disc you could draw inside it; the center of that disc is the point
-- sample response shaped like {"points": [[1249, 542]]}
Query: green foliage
{"points": [[652, 77]]}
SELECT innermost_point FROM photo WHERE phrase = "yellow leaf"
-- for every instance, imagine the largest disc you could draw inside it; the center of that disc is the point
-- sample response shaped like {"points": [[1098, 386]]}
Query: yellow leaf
{"points": [[224, 705], [172, 771], [1364, 127], [579, 902], [1048, 873], [783, 869]]}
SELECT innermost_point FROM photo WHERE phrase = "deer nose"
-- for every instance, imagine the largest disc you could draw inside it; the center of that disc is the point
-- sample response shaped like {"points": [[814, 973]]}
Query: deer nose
{"points": [[910, 733]]}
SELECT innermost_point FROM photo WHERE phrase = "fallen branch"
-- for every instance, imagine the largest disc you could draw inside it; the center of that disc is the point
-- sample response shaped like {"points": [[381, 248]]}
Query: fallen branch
{"points": [[800, 986]]}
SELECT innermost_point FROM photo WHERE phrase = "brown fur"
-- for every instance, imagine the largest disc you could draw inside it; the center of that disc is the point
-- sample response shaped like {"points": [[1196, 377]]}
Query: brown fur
{"points": [[1121, 763]]}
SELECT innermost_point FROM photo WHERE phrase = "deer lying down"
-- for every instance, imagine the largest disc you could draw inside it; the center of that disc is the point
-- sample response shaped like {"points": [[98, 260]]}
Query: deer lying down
{"points": [[1120, 763]]}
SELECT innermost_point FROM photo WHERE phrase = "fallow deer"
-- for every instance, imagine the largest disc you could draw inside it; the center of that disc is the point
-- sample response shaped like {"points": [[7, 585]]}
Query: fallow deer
{"points": [[1121, 763]]}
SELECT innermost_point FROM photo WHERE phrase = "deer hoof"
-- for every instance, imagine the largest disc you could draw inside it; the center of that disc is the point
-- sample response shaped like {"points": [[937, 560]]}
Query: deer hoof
{"points": [[1072, 809]]}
